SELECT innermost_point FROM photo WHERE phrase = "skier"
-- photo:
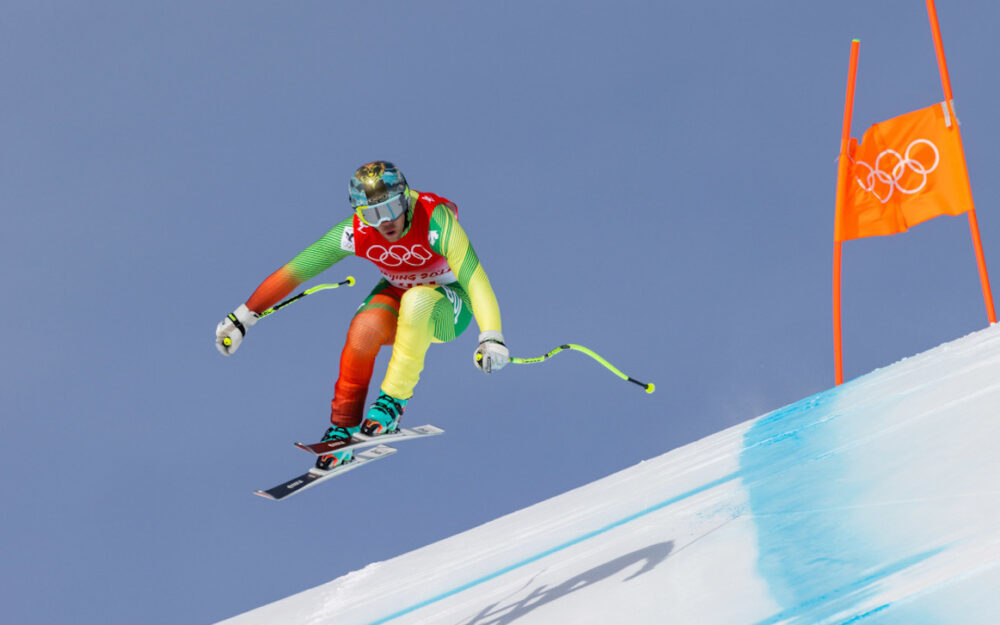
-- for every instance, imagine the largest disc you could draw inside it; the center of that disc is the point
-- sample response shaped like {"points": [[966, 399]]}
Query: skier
{"points": [[432, 286]]}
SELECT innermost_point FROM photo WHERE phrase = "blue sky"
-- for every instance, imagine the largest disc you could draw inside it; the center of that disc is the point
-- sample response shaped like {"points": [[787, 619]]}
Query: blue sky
{"points": [[652, 180]]}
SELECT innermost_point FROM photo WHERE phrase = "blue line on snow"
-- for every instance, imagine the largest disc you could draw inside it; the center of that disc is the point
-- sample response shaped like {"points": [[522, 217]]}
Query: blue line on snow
{"points": [[548, 552]]}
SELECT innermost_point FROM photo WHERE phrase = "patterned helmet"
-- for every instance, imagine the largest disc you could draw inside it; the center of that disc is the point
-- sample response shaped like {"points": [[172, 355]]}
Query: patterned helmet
{"points": [[376, 182]]}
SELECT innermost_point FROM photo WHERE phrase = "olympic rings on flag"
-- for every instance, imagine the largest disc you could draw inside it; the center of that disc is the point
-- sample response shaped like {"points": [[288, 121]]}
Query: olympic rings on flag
{"points": [[892, 177], [396, 255]]}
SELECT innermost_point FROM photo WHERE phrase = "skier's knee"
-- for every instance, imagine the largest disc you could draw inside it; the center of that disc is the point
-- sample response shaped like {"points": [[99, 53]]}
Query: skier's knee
{"points": [[418, 303], [370, 329]]}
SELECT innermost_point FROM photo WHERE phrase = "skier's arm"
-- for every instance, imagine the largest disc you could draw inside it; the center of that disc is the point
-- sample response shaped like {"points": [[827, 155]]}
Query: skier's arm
{"points": [[453, 244], [307, 264], [310, 262]]}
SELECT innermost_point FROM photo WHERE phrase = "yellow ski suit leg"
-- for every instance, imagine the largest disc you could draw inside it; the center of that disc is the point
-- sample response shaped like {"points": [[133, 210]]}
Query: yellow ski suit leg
{"points": [[427, 314]]}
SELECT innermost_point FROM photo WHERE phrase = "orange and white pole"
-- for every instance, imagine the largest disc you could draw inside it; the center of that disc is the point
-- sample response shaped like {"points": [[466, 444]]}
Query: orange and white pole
{"points": [[973, 222], [842, 172]]}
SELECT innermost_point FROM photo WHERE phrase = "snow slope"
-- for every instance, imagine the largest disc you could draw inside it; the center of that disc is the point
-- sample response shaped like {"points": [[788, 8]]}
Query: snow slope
{"points": [[876, 502]]}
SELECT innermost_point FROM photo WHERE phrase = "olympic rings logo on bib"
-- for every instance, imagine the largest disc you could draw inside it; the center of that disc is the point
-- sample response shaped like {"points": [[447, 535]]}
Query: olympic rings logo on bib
{"points": [[397, 255], [891, 179]]}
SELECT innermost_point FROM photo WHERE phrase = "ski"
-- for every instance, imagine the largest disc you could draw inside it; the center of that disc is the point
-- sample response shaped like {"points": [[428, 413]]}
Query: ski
{"points": [[315, 476], [359, 441]]}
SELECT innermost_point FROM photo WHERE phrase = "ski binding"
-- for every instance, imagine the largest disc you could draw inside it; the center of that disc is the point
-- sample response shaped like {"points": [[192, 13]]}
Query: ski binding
{"points": [[360, 441]]}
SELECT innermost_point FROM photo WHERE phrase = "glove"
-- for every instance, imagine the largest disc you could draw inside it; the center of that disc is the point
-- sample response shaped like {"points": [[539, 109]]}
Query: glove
{"points": [[492, 354], [231, 330]]}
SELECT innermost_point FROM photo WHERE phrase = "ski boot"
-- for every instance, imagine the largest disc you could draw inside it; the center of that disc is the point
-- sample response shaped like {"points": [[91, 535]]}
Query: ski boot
{"points": [[383, 416], [330, 461]]}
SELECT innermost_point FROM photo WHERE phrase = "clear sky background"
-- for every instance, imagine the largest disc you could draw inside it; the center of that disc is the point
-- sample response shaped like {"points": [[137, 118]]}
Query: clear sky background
{"points": [[654, 180]]}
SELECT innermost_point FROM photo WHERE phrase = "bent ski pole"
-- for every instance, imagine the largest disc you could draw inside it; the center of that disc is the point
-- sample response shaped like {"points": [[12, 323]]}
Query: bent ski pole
{"points": [[649, 388], [349, 281]]}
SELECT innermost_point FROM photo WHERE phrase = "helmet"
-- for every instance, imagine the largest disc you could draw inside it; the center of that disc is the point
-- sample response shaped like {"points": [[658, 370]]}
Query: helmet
{"points": [[376, 182], [378, 192]]}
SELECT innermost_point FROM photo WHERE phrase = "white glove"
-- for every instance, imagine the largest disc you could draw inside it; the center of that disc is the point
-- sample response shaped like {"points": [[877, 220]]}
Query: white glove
{"points": [[231, 330], [492, 354]]}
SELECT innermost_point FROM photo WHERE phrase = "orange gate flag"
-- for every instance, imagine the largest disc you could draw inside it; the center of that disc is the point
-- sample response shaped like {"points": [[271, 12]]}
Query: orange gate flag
{"points": [[906, 170]]}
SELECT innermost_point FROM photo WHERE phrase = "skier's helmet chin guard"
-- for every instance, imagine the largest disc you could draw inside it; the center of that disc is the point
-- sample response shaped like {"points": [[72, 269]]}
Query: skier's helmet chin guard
{"points": [[378, 193]]}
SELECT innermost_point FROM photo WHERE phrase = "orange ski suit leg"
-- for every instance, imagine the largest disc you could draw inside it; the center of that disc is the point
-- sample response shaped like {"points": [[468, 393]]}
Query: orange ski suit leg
{"points": [[373, 326]]}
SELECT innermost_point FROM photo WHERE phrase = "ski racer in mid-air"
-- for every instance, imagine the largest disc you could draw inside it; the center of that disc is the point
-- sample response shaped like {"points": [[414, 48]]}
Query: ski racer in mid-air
{"points": [[432, 286]]}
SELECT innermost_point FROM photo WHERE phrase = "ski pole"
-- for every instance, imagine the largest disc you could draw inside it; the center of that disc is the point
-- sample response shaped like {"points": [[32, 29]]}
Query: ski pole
{"points": [[349, 281], [649, 388]]}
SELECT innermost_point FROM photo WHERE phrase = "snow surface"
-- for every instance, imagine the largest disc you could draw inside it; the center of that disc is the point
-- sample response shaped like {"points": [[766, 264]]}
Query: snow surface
{"points": [[876, 502]]}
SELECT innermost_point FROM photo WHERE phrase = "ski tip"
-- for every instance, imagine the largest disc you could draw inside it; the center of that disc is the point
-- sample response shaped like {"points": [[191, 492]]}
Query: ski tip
{"points": [[428, 429], [264, 494]]}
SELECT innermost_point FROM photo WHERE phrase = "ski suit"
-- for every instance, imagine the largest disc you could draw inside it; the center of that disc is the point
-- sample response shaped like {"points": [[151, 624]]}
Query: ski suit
{"points": [[432, 285]]}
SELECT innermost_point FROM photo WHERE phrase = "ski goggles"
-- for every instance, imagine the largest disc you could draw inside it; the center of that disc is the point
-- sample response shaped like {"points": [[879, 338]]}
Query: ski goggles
{"points": [[388, 210]]}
